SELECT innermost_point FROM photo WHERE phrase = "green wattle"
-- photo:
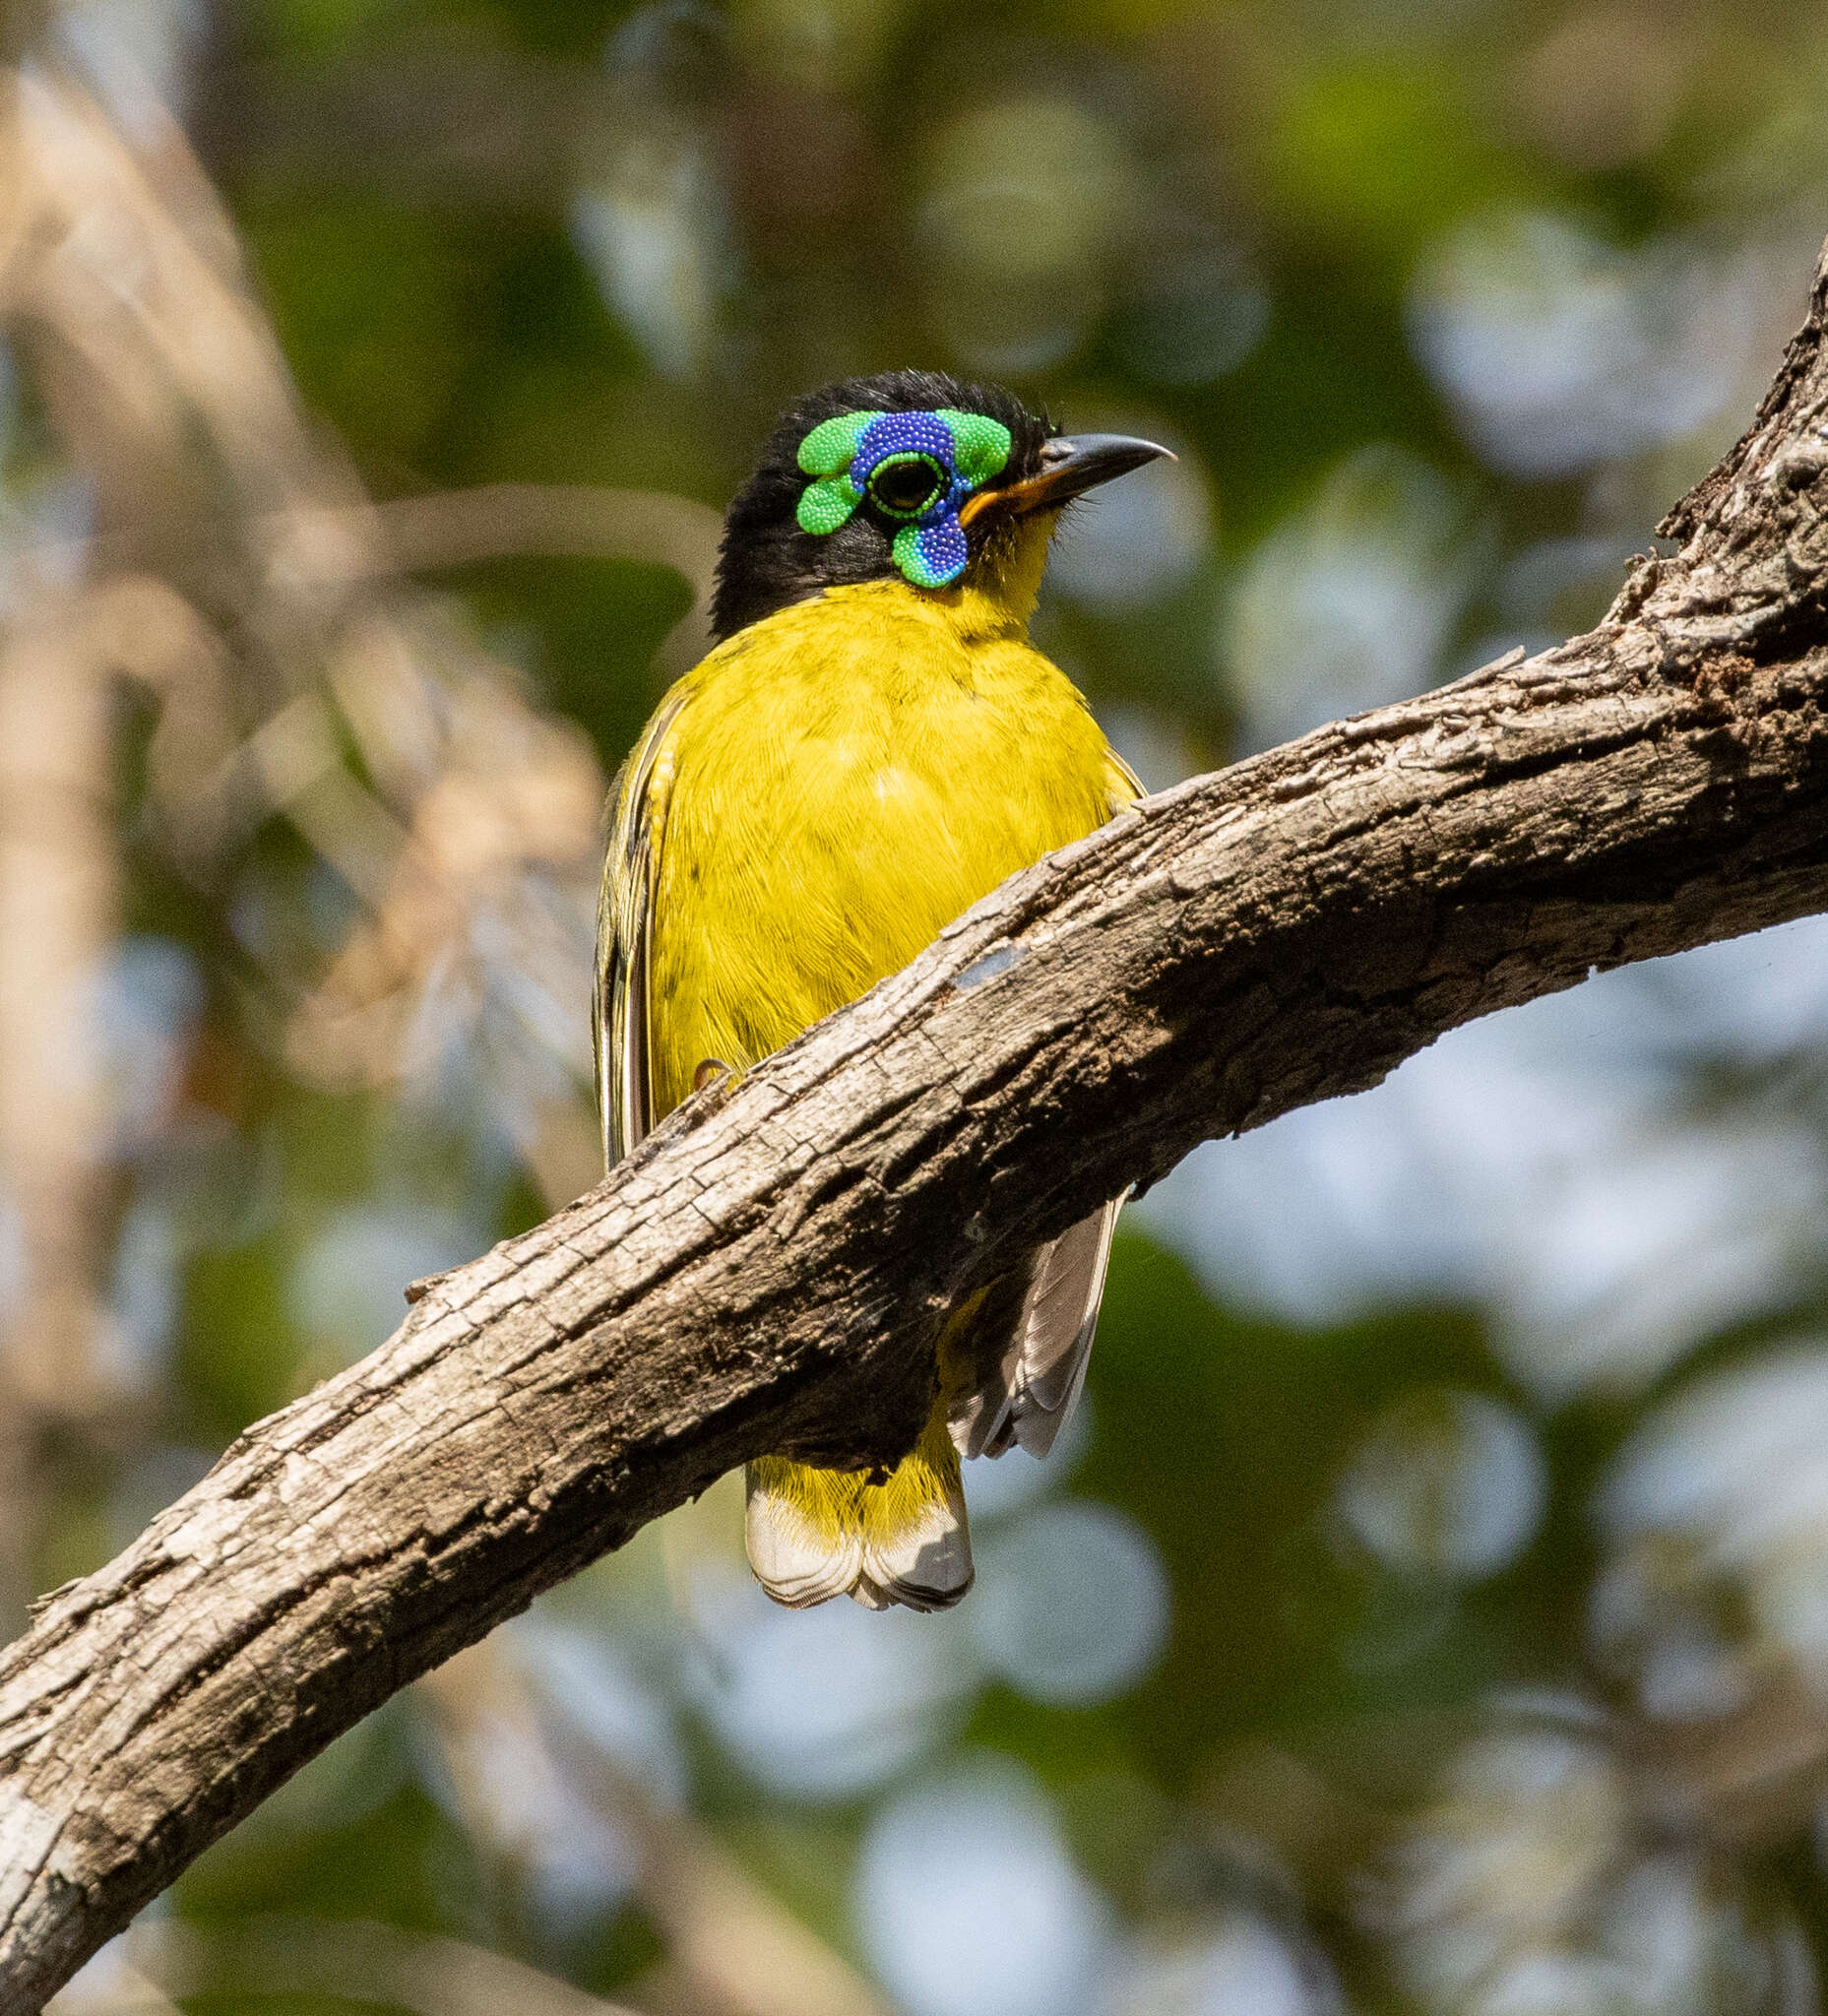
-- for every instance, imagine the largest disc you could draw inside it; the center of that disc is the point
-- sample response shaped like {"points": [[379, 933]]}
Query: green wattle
{"points": [[829, 449], [910, 557], [827, 504], [981, 445]]}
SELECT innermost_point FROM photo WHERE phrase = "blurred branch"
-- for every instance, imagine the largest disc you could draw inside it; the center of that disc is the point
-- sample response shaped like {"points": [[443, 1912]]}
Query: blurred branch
{"points": [[112, 1985], [59, 899], [458, 528], [767, 1272], [242, 577], [1744, 1780], [732, 1949], [504, 521], [60, 871], [122, 286], [347, 1961]]}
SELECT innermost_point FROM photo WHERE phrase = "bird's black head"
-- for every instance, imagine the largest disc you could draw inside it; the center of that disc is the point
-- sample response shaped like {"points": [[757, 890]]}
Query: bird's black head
{"points": [[908, 475]]}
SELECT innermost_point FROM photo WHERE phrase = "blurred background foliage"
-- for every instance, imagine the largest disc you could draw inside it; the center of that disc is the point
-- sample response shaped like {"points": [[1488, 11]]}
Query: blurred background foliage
{"points": [[1431, 1611]]}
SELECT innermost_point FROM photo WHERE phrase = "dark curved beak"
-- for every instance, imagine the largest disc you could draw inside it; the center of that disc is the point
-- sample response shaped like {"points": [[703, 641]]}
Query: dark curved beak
{"points": [[1070, 466]]}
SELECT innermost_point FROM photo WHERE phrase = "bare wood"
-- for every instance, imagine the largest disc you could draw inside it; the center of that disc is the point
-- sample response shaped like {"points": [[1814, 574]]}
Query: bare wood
{"points": [[763, 1274]]}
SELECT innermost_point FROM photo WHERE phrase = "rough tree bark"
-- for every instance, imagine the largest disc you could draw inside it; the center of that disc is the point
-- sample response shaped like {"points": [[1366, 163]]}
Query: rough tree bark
{"points": [[765, 1272]]}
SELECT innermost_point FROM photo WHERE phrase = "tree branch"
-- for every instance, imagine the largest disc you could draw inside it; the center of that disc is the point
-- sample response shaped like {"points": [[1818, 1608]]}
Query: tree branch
{"points": [[766, 1273]]}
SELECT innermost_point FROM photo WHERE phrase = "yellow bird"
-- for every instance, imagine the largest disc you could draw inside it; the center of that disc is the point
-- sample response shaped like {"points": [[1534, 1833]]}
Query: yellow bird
{"points": [[871, 746]]}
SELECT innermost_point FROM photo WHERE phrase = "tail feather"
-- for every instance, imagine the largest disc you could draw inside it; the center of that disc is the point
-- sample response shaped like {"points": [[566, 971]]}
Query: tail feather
{"points": [[916, 1544], [798, 1557], [815, 1534]]}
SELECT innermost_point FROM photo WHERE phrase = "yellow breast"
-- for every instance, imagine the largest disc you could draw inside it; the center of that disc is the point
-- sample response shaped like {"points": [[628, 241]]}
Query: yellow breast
{"points": [[848, 775]]}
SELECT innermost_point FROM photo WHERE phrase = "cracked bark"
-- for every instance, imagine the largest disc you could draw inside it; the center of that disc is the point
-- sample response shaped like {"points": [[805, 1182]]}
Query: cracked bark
{"points": [[765, 1272]]}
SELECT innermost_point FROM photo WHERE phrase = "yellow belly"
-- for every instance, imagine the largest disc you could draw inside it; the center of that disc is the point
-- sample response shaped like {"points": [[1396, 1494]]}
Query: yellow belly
{"points": [[849, 775]]}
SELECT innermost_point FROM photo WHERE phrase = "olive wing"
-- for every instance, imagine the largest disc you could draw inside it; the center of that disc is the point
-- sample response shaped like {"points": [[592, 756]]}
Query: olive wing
{"points": [[625, 934]]}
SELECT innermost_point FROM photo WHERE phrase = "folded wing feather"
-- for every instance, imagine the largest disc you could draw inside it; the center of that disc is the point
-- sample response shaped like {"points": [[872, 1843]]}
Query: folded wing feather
{"points": [[1029, 1393]]}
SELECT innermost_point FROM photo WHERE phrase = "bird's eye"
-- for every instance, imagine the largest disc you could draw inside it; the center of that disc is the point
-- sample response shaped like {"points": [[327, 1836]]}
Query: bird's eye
{"points": [[906, 485]]}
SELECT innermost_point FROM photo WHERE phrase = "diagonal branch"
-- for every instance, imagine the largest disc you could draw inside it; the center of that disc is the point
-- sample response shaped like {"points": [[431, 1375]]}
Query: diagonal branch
{"points": [[765, 1272]]}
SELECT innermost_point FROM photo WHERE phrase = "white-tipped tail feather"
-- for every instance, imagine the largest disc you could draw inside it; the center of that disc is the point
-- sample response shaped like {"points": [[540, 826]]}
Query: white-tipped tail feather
{"points": [[924, 1562], [815, 1534], [799, 1563]]}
